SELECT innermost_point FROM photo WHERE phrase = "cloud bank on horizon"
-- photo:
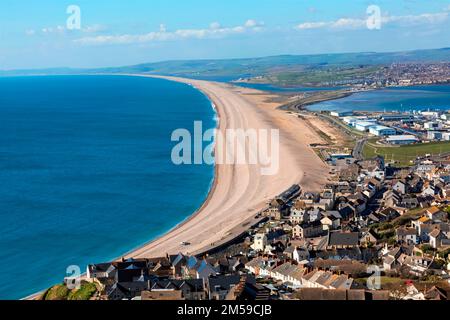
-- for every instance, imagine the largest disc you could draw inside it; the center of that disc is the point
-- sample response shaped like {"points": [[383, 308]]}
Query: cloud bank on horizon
{"points": [[109, 33]]}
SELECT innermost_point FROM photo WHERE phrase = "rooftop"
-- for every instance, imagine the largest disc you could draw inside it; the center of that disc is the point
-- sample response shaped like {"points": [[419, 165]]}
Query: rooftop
{"points": [[401, 137], [379, 128], [343, 239]]}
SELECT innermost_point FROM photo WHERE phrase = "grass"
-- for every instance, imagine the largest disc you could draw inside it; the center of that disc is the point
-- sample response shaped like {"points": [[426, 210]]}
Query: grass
{"points": [[403, 155], [321, 75], [385, 281], [61, 292], [58, 292], [391, 281], [85, 292]]}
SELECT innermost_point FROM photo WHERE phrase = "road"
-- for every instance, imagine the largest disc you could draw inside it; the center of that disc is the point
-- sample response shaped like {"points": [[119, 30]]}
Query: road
{"points": [[361, 140], [358, 150]]}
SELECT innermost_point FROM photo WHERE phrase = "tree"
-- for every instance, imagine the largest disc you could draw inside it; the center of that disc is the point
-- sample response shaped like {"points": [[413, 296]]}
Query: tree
{"points": [[426, 248]]}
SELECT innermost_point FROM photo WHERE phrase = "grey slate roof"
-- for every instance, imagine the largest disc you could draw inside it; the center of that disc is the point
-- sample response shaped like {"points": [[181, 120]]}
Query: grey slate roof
{"points": [[343, 239]]}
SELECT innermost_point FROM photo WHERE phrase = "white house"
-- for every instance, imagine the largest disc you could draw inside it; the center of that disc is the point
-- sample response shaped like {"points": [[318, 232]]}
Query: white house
{"points": [[259, 242], [407, 235], [435, 238], [330, 222], [300, 254]]}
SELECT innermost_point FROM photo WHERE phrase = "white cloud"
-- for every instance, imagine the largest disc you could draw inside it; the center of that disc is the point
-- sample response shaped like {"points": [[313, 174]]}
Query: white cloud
{"points": [[30, 32], [96, 28], [214, 25], [348, 23], [215, 30], [355, 23], [430, 18], [311, 25], [340, 23], [57, 29]]}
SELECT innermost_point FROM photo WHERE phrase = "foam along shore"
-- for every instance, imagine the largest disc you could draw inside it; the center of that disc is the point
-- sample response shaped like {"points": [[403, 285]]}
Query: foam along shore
{"points": [[240, 191]]}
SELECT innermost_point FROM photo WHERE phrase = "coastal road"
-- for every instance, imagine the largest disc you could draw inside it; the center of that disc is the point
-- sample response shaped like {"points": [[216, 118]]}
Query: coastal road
{"points": [[358, 149]]}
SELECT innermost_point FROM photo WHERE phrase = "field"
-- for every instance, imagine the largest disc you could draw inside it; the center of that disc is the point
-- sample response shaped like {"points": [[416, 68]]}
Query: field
{"points": [[321, 75], [403, 155]]}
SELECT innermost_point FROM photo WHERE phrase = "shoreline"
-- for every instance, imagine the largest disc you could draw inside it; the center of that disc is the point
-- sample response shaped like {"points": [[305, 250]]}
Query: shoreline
{"points": [[212, 187], [221, 216], [169, 242]]}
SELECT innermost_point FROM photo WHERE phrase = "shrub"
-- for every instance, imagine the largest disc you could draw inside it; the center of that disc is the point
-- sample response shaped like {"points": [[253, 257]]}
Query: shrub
{"points": [[58, 292], [85, 292], [426, 248]]}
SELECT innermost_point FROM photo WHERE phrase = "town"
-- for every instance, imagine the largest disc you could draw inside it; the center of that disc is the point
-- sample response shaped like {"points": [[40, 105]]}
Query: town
{"points": [[376, 232]]}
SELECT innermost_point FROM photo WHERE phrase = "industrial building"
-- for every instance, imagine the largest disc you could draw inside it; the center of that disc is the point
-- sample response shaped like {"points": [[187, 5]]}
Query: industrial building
{"points": [[341, 113], [434, 135], [402, 139], [396, 117], [382, 131], [364, 125], [350, 121]]}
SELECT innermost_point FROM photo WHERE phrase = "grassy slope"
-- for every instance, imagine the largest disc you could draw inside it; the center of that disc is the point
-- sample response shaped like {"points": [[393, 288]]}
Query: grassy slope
{"points": [[61, 292], [235, 68]]}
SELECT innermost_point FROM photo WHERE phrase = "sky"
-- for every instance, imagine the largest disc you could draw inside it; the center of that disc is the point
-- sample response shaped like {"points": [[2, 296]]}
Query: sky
{"points": [[101, 33]]}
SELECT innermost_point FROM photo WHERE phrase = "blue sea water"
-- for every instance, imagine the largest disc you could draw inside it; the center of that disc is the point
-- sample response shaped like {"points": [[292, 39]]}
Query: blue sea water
{"points": [[433, 97], [86, 173]]}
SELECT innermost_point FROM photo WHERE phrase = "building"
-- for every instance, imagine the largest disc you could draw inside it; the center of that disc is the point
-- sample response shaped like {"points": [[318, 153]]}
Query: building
{"points": [[364, 125], [331, 221], [381, 131], [307, 230], [434, 213], [259, 242], [350, 121], [434, 135], [430, 114], [396, 117], [402, 139], [340, 114], [218, 287], [446, 136], [432, 125], [339, 240], [340, 156], [436, 237], [407, 235]]}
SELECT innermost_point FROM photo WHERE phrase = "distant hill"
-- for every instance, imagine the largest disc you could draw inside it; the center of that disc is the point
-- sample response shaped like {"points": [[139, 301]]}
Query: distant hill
{"points": [[237, 68]]}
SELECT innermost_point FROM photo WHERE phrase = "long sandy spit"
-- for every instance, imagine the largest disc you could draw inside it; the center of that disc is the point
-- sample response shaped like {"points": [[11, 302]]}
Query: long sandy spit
{"points": [[240, 191]]}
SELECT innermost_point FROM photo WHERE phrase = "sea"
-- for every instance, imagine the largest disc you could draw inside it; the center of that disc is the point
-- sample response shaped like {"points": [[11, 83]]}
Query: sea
{"points": [[401, 99], [86, 173]]}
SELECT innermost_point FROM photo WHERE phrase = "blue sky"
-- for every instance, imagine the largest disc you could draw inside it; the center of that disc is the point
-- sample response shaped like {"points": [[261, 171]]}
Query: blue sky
{"points": [[34, 34]]}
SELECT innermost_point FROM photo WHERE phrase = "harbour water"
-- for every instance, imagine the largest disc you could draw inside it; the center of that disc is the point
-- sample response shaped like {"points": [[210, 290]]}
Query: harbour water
{"points": [[415, 98]]}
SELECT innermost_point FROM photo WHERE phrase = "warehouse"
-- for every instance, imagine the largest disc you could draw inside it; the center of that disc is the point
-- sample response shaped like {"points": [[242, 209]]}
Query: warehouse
{"points": [[402, 139], [341, 114], [350, 121], [382, 131], [364, 125]]}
